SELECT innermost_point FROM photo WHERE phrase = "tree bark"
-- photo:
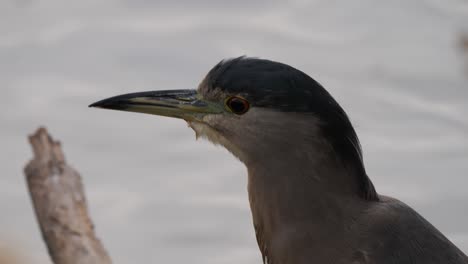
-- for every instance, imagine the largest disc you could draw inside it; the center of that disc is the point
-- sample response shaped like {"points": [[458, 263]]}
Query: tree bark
{"points": [[59, 201]]}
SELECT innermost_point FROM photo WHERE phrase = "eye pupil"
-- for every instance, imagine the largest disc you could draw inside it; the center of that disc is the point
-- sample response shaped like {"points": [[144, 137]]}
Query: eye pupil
{"points": [[238, 105]]}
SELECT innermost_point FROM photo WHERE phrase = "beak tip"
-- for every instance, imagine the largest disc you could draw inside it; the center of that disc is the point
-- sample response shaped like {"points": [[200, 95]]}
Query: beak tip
{"points": [[110, 103], [100, 104]]}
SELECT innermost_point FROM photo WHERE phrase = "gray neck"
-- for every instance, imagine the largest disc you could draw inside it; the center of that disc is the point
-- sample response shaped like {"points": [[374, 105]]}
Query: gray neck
{"points": [[299, 190], [294, 185], [295, 154]]}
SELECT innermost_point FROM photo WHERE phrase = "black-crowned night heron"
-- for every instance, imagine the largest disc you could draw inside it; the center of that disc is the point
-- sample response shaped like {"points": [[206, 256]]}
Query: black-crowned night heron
{"points": [[310, 196]]}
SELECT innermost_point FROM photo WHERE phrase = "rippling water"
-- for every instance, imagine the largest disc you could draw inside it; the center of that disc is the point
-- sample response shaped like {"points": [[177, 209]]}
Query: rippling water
{"points": [[156, 194]]}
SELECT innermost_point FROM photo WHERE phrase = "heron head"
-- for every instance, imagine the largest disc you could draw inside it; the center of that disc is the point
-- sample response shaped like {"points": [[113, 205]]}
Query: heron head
{"points": [[256, 109]]}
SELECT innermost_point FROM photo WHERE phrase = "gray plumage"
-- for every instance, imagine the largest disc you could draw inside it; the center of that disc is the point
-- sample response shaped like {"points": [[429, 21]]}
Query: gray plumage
{"points": [[310, 196]]}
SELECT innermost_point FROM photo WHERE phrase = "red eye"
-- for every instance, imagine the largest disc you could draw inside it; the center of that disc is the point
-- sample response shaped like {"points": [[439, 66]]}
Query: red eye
{"points": [[238, 105]]}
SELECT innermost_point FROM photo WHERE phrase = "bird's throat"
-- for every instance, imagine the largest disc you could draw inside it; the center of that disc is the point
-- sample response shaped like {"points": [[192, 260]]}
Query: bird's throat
{"points": [[290, 206]]}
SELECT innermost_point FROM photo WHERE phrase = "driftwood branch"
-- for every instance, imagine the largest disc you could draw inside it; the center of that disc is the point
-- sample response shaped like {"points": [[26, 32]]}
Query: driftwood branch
{"points": [[464, 42], [464, 49], [60, 204]]}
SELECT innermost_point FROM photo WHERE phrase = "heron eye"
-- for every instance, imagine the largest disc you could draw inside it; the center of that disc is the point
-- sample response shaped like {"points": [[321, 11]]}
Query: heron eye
{"points": [[237, 105]]}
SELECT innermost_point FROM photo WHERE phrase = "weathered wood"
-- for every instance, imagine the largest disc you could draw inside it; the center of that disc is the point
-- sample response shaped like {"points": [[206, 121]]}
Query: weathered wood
{"points": [[464, 42], [60, 204]]}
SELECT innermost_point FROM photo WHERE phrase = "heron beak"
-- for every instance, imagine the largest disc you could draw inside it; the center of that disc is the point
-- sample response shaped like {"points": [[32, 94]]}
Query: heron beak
{"points": [[184, 104]]}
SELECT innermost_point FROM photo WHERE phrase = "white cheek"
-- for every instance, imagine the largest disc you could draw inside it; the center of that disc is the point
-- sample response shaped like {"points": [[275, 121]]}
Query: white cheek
{"points": [[204, 131]]}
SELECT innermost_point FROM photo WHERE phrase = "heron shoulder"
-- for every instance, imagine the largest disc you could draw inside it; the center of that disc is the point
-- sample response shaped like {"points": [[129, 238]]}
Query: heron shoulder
{"points": [[396, 233]]}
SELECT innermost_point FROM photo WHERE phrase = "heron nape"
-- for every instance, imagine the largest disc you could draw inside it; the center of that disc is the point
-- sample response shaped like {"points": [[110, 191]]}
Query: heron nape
{"points": [[310, 196]]}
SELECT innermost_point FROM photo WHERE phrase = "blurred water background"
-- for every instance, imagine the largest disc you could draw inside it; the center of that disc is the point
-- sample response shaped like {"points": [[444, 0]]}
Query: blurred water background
{"points": [[156, 194]]}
